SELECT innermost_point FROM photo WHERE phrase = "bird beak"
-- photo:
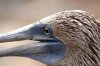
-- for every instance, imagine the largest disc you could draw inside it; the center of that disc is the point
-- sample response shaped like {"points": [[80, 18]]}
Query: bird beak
{"points": [[35, 32], [29, 49], [24, 33]]}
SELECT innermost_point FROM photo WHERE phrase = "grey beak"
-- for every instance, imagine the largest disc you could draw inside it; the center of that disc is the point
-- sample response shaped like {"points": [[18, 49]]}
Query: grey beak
{"points": [[47, 49], [37, 48], [35, 31], [23, 33]]}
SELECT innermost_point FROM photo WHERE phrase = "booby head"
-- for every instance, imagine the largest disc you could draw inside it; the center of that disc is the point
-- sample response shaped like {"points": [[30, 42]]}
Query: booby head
{"points": [[68, 38]]}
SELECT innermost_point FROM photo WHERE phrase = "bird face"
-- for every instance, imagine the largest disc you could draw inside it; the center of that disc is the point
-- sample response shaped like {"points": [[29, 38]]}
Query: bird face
{"points": [[49, 49], [66, 38]]}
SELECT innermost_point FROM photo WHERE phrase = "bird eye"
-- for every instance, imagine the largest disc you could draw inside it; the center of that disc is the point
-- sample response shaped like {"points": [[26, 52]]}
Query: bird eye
{"points": [[47, 31]]}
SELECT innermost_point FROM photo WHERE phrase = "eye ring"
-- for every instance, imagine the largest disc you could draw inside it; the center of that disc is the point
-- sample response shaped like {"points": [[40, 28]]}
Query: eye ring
{"points": [[47, 31]]}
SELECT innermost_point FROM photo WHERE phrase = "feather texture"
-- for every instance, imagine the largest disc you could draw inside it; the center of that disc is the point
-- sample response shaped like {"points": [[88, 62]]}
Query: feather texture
{"points": [[80, 33]]}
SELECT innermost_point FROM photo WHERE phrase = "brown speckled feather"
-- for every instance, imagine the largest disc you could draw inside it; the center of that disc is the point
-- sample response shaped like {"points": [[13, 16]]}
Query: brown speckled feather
{"points": [[80, 33]]}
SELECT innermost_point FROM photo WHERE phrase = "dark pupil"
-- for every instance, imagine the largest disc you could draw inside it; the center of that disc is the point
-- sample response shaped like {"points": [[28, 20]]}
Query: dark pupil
{"points": [[46, 30]]}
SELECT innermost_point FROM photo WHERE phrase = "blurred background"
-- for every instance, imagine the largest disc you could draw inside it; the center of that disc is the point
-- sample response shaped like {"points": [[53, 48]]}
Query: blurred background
{"points": [[18, 13]]}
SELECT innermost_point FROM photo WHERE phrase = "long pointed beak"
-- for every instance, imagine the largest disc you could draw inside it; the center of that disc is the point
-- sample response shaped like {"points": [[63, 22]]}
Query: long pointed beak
{"points": [[23, 33], [35, 31], [37, 48], [48, 47]]}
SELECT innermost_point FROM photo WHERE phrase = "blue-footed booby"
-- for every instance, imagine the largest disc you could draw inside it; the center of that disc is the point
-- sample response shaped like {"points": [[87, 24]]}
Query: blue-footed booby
{"points": [[68, 38]]}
